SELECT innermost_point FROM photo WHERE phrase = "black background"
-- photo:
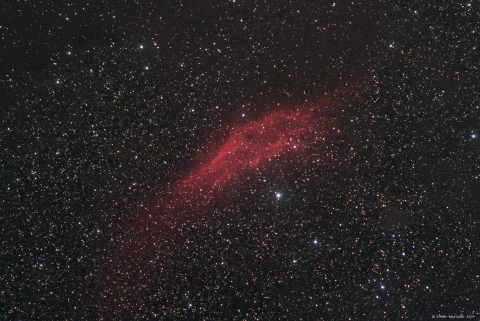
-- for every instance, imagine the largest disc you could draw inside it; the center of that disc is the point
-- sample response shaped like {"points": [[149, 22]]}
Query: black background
{"points": [[387, 228]]}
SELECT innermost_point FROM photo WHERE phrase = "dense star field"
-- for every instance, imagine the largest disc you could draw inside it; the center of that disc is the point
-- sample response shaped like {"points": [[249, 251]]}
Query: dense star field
{"points": [[239, 160]]}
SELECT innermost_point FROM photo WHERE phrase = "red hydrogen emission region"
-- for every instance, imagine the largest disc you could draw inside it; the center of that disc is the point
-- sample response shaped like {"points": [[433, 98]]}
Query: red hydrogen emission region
{"points": [[247, 146], [138, 252]]}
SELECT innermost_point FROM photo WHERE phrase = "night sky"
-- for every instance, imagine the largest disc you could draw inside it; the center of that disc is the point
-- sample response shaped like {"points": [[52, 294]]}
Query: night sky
{"points": [[239, 160]]}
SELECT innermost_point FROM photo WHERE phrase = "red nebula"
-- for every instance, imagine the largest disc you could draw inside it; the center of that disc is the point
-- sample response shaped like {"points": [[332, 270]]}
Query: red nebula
{"points": [[248, 146], [137, 252]]}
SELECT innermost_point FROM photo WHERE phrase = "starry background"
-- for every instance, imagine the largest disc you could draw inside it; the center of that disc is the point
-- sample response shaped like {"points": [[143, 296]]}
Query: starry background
{"points": [[104, 103]]}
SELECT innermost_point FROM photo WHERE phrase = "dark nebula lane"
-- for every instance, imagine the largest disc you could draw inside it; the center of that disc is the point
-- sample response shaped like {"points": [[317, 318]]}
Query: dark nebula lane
{"points": [[138, 252]]}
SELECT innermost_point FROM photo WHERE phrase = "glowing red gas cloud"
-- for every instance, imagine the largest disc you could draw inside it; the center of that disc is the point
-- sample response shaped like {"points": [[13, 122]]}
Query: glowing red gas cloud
{"points": [[247, 146], [135, 254]]}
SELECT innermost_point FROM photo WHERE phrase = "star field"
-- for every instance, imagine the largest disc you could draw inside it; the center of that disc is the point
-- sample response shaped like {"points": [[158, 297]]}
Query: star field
{"points": [[239, 160]]}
